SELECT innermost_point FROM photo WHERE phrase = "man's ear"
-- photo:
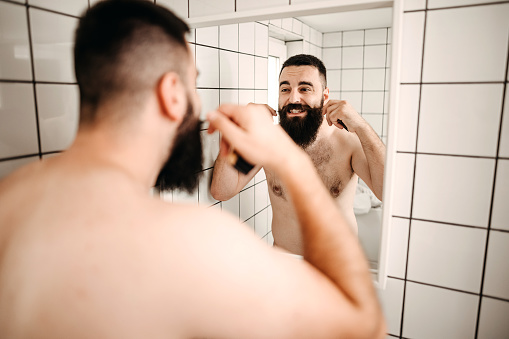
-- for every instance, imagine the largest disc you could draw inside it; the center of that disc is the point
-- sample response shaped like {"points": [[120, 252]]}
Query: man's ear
{"points": [[172, 96], [326, 95]]}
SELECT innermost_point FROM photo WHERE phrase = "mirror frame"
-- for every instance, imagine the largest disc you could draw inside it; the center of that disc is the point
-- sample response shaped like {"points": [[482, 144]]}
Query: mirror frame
{"points": [[324, 7]]}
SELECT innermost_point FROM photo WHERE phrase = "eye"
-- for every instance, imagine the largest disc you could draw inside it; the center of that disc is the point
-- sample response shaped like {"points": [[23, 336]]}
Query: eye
{"points": [[284, 89], [305, 89]]}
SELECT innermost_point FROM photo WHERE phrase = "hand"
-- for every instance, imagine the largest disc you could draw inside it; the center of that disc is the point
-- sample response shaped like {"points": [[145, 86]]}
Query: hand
{"points": [[342, 110], [252, 133], [271, 110]]}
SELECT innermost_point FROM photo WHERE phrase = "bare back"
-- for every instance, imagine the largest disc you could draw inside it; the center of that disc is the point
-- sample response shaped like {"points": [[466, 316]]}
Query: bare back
{"points": [[332, 155]]}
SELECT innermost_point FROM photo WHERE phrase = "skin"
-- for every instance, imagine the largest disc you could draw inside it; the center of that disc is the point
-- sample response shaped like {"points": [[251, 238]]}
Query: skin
{"points": [[340, 157], [86, 252]]}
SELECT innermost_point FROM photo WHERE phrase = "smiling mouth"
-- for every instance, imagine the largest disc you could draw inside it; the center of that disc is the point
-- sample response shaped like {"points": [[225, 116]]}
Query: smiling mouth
{"points": [[296, 112]]}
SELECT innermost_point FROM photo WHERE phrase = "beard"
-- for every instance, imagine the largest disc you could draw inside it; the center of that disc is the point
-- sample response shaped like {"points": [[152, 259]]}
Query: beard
{"points": [[303, 130], [184, 166]]}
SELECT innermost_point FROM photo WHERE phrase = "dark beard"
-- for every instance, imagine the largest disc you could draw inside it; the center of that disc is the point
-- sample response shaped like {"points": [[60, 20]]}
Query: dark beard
{"points": [[184, 167], [303, 130]]}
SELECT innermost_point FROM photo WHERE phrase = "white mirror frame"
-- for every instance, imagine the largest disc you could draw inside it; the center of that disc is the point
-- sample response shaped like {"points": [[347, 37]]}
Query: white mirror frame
{"points": [[324, 7]]}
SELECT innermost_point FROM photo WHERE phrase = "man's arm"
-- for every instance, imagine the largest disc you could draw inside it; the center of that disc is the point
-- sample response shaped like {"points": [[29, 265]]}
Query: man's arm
{"points": [[337, 297], [368, 160]]}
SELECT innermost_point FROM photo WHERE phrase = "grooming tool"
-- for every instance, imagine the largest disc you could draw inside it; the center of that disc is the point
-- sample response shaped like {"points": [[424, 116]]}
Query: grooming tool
{"points": [[239, 163], [339, 121]]}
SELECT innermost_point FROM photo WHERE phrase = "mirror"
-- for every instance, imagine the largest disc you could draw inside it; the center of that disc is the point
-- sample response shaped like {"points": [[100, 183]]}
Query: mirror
{"points": [[355, 46]]}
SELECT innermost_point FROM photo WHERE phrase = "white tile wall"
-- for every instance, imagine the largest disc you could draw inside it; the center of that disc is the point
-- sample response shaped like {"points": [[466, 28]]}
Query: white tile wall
{"points": [[15, 49], [404, 164], [228, 69], [332, 58], [261, 40], [412, 5], [261, 73], [247, 37], [246, 71], [374, 56], [207, 63], [245, 5], [496, 281], [198, 8], [179, 7], [411, 54], [504, 140], [408, 110], [333, 39], [398, 247], [207, 36], [229, 37], [450, 123], [247, 204], [351, 80], [375, 36], [75, 7], [374, 79], [353, 38], [493, 322], [500, 216], [209, 101], [445, 189], [451, 50], [334, 80], [432, 312], [373, 102], [391, 299], [352, 57]]}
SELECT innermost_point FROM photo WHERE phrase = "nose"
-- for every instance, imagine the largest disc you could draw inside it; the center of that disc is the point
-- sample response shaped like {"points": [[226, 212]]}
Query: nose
{"points": [[294, 97]]}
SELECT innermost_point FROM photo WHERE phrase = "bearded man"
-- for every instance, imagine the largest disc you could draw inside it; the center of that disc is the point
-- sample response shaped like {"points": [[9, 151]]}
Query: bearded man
{"points": [[343, 147]]}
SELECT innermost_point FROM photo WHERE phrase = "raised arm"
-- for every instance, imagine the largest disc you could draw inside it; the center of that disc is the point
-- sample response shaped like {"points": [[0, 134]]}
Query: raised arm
{"points": [[334, 298], [368, 160]]}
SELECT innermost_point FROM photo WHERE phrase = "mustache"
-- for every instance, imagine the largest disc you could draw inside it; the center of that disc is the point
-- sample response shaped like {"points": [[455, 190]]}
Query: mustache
{"points": [[289, 107]]}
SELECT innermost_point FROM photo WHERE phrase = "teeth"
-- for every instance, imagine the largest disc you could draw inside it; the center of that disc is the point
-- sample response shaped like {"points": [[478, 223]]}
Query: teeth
{"points": [[295, 111]]}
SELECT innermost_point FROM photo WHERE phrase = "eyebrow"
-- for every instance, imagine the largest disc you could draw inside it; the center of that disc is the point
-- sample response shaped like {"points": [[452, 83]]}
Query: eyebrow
{"points": [[300, 83]]}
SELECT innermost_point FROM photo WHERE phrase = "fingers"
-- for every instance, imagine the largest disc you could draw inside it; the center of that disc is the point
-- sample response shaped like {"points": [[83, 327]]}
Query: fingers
{"points": [[271, 110], [222, 121]]}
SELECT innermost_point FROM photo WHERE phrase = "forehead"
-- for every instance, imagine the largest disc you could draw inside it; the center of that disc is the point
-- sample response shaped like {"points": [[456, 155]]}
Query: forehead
{"points": [[300, 73]]}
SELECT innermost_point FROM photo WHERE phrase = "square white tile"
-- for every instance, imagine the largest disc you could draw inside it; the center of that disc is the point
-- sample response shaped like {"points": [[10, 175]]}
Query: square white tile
{"points": [[496, 279], [261, 226], [316, 37], [246, 96], [210, 144], [504, 139], [232, 206], [179, 7], [388, 60], [53, 43], [374, 80], [332, 58], [15, 51], [209, 101], [493, 322], [404, 169], [375, 121], [374, 56], [453, 3], [18, 129], [58, 107], [453, 189], [353, 38], [432, 312], [247, 201], [207, 63], [261, 40], [229, 96], [287, 24], [411, 46], [407, 117], [375, 36], [332, 39], [228, 69], [500, 215], [354, 98], [352, 57], [261, 73], [250, 223], [9, 166], [445, 255], [201, 8], [275, 22], [75, 7], [334, 95], [246, 71], [450, 124], [373, 102], [458, 52], [229, 37], [412, 5], [297, 27], [247, 37], [306, 32], [391, 299], [351, 80], [295, 47], [243, 5], [260, 176], [334, 80], [261, 200], [208, 36], [261, 96], [398, 244], [204, 196]]}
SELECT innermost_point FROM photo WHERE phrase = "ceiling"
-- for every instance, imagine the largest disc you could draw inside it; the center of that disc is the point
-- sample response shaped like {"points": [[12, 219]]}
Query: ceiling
{"points": [[345, 21]]}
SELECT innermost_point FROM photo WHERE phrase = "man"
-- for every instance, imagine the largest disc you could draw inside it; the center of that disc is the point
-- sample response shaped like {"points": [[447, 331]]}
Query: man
{"points": [[340, 154], [86, 252]]}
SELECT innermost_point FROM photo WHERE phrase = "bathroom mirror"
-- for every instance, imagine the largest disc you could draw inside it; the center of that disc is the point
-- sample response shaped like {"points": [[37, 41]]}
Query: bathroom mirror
{"points": [[354, 40]]}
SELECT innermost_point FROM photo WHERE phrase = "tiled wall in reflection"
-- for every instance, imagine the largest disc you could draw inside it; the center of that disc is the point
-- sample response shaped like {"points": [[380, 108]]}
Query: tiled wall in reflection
{"points": [[358, 69], [448, 267], [39, 94]]}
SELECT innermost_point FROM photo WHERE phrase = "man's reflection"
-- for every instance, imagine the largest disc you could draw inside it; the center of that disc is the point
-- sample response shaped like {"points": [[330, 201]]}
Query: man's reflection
{"points": [[342, 145]]}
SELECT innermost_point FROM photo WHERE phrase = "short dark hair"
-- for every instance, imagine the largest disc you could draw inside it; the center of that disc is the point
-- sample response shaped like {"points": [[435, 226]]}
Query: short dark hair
{"points": [[122, 48], [307, 60]]}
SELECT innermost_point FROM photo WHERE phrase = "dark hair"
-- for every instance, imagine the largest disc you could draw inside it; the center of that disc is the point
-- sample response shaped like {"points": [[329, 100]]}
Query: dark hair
{"points": [[307, 60], [122, 48]]}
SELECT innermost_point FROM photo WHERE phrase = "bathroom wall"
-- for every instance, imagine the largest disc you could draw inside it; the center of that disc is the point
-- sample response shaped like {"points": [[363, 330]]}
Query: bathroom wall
{"points": [[39, 94], [358, 70], [448, 268]]}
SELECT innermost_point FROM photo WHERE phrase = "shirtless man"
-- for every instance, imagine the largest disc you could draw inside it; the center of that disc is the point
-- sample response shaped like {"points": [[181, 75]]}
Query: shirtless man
{"points": [[87, 252], [340, 156]]}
